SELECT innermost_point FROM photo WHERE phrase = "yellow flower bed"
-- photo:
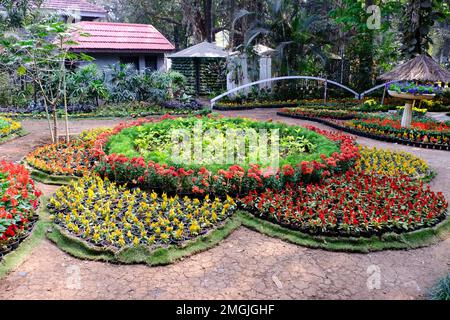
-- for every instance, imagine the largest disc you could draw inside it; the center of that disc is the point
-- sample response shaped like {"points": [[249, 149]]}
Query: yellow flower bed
{"points": [[108, 215], [391, 163], [8, 126], [89, 136]]}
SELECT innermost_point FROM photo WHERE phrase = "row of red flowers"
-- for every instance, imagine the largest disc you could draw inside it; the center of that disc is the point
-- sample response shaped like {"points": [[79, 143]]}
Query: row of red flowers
{"points": [[354, 204], [18, 201], [419, 125], [420, 131], [234, 181]]}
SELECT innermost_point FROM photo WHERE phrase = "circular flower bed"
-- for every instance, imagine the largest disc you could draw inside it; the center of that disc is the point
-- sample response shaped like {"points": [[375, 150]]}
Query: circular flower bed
{"points": [[106, 215], [138, 153], [8, 127], [321, 113], [18, 202], [74, 158], [354, 204]]}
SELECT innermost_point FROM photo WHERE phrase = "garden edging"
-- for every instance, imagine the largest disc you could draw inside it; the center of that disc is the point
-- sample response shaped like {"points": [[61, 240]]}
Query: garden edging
{"points": [[47, 178], [388, 241], [368, 135], [136, 255], [163, 256], [17, 134]]}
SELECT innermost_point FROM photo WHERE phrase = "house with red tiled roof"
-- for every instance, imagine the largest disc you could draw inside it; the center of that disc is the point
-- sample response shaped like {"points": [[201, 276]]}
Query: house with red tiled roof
{"points": [[77, 10], [110, 43]]}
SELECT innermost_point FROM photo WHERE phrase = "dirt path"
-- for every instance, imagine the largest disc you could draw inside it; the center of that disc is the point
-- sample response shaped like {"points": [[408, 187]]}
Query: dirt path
{"points": [[247, 265]]}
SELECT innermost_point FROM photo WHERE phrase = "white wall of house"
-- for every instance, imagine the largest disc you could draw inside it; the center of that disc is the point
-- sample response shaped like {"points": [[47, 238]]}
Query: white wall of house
{"points": [[102, 60]]}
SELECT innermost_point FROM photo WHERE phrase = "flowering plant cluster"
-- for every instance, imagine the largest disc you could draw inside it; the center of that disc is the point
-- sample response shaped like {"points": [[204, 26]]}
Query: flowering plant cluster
{"points": [[391, 163], [232, 180], [257, 104], [74, 158], [417, 112], [421, 131], [18, 202], [321, 113], [354, 204], [415, 89], [8, 126], [332, 103], [107, 215]]}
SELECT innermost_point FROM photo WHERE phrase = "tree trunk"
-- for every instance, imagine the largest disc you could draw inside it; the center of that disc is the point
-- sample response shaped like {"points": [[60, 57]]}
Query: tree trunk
{"points": [[207, 4], [66, 111], [55, 124], [47, 113], [232, 26]]}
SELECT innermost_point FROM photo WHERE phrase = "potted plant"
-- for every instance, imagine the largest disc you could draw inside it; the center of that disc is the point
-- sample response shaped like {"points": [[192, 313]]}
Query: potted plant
{"points": [[411, 91]]}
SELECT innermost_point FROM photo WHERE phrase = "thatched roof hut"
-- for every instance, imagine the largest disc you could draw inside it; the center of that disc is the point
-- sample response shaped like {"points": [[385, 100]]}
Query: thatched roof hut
{"points": [[421, 68]]}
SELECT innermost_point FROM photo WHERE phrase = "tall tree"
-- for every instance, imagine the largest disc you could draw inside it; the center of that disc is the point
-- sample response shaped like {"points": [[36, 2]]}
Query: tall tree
{"points": [[418, 18]]}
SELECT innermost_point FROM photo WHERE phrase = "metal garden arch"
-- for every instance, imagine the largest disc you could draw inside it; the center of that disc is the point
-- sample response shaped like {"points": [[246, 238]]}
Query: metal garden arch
{"points": [[326, 81]]}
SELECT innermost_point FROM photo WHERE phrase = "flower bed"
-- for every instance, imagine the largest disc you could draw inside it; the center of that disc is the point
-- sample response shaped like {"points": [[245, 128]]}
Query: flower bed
{"points": [[421, 131], [8, 127], [110, 216], [380, 128], [414, 89], [66, 159], [316, 154], [134, 109], [354, 204], [254, 104], [392, 163], [321, 113], [18, 202]]}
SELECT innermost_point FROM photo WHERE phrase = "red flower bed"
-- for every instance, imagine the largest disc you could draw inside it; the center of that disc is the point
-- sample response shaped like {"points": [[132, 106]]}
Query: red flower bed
{"points": [[234, 181], [354, 204], [421, 131], [420, 125], [18, 201]]}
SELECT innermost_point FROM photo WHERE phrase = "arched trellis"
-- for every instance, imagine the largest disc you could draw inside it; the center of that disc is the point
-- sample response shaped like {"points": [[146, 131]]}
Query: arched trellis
{"points": [[362, 95], [326, 82]]}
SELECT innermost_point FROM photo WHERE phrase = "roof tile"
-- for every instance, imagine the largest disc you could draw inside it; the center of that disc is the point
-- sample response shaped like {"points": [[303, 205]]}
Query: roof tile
{"points": [[119, 36], [81, 5]]}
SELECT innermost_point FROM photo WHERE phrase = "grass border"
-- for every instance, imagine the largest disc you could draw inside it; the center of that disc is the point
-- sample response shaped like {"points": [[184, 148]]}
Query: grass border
{"points": [[389, 241], [18, 256], [17, 134], [141, 255], [47, 178], [167, 255]]}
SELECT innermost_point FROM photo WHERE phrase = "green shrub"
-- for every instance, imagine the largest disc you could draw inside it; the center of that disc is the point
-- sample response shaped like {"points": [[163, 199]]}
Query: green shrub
{"points": [[441, 290]]}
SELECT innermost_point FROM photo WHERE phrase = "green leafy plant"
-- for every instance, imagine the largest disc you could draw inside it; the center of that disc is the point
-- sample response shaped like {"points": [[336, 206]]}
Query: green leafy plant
{"points": [[441, 291]]}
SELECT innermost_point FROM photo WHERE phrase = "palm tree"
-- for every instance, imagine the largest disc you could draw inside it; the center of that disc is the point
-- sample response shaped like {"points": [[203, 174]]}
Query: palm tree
{"points": [[290, 29]]}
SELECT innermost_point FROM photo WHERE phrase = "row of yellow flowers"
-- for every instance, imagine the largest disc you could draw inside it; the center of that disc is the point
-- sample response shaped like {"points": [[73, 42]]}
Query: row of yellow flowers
{"points": [[392, 163], [8, 126]]}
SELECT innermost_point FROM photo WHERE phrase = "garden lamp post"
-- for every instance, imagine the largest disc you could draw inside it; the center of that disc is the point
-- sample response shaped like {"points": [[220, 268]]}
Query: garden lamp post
{"points": [[419, 69]]}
